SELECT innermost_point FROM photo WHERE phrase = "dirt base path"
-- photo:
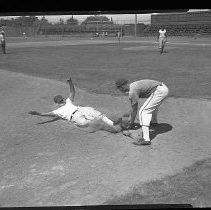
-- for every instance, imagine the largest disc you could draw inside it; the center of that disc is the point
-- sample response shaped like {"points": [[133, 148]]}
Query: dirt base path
{"points": [[57, 164]]}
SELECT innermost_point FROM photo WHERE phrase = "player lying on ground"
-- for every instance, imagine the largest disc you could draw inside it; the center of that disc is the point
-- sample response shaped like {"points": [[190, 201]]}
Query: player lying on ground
{"points": [[87, 118]]}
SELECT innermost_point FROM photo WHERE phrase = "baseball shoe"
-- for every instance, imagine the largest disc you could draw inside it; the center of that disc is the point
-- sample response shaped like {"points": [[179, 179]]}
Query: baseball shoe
{"points": [[142, 141]]}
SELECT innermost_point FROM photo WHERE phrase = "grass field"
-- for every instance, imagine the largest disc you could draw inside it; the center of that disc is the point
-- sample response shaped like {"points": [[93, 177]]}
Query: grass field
{"points": [[190, 186], [184, 68]]}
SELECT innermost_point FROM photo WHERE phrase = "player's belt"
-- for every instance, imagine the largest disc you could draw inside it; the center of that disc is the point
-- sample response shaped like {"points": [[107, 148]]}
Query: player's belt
{"points": [[154, 88], [161, 84], [73, 114]]}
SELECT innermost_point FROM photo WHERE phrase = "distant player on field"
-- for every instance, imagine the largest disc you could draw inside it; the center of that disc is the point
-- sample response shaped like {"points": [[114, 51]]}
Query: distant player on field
{"points": [[162, 39], [119, 36], [87, 118], [3, 42]]}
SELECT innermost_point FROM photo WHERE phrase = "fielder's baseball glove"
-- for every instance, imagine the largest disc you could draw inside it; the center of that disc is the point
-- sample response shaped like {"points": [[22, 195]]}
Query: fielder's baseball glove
{"points": [[118, 121], [125, 125]]}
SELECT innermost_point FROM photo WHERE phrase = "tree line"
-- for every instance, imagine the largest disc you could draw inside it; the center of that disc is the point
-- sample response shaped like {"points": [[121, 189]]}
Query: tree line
{"points": [[33, 21]]}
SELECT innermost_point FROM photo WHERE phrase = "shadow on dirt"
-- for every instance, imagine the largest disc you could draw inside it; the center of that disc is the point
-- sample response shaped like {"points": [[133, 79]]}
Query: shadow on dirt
{"points": [[160, 128], [154, 130]]}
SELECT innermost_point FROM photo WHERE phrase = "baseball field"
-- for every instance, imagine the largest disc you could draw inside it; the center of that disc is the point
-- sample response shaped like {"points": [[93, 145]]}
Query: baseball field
{"points": [[56, 164]]}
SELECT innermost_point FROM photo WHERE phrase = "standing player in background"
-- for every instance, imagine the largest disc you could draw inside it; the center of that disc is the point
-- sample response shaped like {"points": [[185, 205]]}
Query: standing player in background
{"points": [[119, 36], [24, 35], [162, 39], [3, 42]]}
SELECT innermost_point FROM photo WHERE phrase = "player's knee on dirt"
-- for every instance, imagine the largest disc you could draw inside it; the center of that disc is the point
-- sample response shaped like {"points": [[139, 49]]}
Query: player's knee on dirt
{"points": [[97, 124]]}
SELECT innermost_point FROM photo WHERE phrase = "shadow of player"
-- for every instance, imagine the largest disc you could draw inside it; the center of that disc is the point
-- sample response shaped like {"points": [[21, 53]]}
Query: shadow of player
{"points": [[158, 129], [154, 130]]}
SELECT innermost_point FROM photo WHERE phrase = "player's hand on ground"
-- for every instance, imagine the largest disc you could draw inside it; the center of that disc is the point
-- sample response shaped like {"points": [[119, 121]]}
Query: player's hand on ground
{"points": [[33, 113]]}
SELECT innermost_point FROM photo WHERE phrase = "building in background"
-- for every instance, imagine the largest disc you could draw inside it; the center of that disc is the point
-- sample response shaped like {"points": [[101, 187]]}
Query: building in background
{"points": [[177, 24], [188, 23]]}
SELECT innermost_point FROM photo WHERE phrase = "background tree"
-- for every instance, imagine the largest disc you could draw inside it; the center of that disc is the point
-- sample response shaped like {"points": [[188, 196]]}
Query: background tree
{"points": [[44, 21], [61, 22], [24, 21], [96, 18], [72, 21]]}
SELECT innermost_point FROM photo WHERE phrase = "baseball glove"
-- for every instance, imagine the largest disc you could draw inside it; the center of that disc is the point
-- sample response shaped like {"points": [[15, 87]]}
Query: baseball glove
{"points": [[125, 125]]}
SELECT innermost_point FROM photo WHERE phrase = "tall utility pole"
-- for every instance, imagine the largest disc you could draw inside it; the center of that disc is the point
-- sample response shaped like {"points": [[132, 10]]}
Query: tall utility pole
{"points": [[135, 25]]}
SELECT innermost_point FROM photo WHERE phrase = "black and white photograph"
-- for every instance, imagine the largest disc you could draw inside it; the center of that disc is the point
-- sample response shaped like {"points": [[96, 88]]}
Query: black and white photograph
{"points": [[105, 109]]}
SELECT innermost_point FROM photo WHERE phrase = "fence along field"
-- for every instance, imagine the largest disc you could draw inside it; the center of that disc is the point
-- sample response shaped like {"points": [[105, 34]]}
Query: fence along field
{"points": [[177, 24]]}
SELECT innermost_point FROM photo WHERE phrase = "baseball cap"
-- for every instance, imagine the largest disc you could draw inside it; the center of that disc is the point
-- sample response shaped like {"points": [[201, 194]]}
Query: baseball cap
{"points": [[121, 82], [2, 32], [58, 99]]}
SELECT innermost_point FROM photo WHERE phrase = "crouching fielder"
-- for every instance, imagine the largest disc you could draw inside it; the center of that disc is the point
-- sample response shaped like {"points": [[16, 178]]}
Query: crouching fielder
{"points": [[87, 118], [155, 92]]}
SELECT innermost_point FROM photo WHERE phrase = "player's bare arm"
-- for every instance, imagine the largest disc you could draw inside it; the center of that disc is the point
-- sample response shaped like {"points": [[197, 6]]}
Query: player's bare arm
{"points": [[131, 119], [133, 113], [47, 114], [72, 89]]}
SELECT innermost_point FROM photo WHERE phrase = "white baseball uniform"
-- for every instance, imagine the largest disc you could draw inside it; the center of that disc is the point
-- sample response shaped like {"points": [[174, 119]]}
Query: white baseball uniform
{"points": [[1, 38], [162, 38], [155, 91], [3, 43], [80, 116]]}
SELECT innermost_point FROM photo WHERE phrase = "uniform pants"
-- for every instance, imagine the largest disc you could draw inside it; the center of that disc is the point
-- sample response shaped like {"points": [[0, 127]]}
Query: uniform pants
{"points": [[162, 41], [84, 115], [151, 105], [3, 47]]}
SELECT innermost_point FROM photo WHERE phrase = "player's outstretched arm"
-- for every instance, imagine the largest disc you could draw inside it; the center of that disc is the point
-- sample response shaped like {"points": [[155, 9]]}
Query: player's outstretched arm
{"points": [[72, 89], [48, 114]]}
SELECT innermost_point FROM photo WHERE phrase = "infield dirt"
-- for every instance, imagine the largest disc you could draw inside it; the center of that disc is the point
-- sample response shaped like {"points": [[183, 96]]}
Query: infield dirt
{"points": [[57, 164]]}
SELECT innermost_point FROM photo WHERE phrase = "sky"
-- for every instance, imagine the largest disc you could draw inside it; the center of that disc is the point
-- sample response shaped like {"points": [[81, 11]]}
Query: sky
{"points": [[118, 18]]}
